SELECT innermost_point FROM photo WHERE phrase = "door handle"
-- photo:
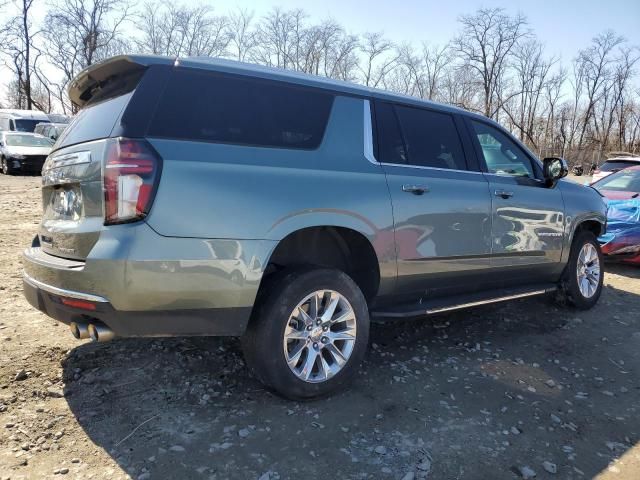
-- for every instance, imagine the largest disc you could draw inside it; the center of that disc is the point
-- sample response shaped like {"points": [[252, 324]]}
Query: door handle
{"points": [[503, 194], [415, 189]]}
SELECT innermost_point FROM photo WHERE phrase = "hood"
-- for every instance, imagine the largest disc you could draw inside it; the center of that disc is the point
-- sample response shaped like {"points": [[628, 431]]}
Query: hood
{"points": [[11, 150], [619, 195]]}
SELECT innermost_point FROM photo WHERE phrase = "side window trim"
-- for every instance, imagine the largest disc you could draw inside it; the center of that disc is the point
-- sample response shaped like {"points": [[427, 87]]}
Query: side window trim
{"points": [[480, 155], [370, 134], [474, 164]]}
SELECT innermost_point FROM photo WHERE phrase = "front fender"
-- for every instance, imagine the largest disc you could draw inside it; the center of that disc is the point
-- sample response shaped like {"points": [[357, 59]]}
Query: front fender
{"points": [[582, 204]]}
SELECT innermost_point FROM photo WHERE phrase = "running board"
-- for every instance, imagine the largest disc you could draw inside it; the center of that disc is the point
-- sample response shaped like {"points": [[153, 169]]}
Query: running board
{"points": [[458, 302]]}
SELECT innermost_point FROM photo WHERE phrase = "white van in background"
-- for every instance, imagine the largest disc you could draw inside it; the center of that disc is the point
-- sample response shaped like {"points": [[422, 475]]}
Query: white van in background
{"points": [[21, 120]]}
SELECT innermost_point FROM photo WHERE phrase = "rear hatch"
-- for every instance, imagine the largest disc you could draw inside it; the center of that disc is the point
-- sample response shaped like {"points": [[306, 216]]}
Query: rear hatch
{"points": [[73, 185]]}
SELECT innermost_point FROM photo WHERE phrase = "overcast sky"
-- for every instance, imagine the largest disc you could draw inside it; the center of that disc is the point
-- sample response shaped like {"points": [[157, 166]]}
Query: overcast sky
{"points": [[565, 26]]}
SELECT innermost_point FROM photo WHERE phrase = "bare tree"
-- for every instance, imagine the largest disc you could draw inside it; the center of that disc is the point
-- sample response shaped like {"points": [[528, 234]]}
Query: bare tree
{"points": [[595, 64], [242, 38], [524, 108], [19, 36], [436, 62], [175, 30], [379, 58], [485, 46], [79, 33]]}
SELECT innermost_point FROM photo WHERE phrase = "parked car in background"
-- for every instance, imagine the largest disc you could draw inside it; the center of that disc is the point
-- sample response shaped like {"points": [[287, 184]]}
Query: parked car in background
{"points": [[21, 120], [58, 118], [613, 165], [199, 196], [23, 153], [50, 130], [622, 191]]}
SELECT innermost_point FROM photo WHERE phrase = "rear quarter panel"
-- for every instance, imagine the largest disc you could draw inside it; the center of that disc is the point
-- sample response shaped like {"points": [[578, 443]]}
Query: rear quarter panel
{"points": [[238, 192]]}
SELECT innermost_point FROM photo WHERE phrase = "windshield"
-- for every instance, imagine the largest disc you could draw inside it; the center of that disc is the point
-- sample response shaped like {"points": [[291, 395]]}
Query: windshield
{"points": [[24, 125], [27, 141], [623, 181], [615, 165]]}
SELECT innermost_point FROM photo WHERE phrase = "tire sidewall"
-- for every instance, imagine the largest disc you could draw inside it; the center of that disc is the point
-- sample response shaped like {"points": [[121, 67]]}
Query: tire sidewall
{"points": [[575, 296], [276, 308]]}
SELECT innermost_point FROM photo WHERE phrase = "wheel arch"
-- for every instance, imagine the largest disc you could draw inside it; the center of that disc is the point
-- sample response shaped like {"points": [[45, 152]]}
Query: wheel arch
{"points": [[328, 246], [594, 222]]}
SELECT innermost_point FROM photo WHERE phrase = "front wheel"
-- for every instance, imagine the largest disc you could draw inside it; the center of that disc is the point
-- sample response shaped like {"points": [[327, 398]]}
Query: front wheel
{"points": [[584, 274], [308, 334]]}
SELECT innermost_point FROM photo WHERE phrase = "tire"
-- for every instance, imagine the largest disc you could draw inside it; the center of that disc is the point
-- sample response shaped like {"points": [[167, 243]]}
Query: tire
{"points": [[6, 169], [280, 309], [584, 246]]}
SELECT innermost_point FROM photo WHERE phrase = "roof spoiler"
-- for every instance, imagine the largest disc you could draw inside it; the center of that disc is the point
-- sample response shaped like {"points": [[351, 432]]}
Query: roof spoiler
{"points": [[90, 80]]}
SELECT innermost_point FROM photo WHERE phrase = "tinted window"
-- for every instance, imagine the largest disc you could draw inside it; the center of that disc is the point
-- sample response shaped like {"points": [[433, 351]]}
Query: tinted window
{"points": [[615, 165], [501, 154], [94, 121], [431, 138], [215, 108], [625, 181], [25, 125], [390, 143]]}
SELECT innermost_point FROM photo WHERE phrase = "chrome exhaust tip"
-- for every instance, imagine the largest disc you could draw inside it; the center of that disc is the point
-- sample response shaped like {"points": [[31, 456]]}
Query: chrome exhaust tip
{"points": [[79, 330], [100, 333]]}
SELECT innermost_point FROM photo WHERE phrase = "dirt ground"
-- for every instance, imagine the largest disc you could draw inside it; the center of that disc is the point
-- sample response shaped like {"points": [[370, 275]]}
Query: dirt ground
{"points": [[502, 392]]}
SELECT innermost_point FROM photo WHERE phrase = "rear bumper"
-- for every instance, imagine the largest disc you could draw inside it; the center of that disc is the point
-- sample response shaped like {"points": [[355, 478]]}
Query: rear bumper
{"points": [[215, 321], [144, 284]]}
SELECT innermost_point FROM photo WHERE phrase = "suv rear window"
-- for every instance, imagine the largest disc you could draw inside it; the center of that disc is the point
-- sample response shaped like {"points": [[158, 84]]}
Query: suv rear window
{"points": [[217, 108], [94, 121], [612, 165]]}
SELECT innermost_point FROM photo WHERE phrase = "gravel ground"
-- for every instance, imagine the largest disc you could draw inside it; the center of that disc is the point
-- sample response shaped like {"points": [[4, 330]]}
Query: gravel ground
{"points": [[502, 392]]}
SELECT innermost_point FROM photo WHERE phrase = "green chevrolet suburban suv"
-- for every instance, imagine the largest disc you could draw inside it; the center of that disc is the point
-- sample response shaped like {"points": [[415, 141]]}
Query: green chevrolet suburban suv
{"points": [[208, 197]]}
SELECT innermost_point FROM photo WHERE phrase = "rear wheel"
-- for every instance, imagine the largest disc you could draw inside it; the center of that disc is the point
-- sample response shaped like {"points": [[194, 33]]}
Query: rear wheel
{"points": [[584, 274], [308, 334]]}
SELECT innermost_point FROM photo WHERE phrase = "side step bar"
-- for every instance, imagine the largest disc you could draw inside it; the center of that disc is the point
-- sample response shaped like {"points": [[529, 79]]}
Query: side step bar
{"points": [[458, 302]]}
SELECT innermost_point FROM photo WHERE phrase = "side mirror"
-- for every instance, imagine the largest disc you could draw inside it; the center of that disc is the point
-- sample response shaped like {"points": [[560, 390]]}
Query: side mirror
{"points": [[554, 169]]}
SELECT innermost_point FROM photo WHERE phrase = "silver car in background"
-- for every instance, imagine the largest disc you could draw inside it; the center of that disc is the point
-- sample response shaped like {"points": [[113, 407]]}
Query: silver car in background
{"points": [[23, 153]]}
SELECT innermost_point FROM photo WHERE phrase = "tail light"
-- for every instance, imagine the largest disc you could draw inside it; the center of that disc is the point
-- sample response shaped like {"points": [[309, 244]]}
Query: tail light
{"points": [[131, 176]]}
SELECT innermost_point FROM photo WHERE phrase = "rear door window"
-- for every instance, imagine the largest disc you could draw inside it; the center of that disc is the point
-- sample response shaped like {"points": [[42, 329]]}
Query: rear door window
{"points": [[431, 138], [217, 108]]}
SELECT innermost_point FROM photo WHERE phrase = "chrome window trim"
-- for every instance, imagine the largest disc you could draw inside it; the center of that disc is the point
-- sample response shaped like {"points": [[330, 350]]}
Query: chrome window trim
{"points": [[63, 292], [506, 175], [368, 134], [422, 167], [75, 158]]}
